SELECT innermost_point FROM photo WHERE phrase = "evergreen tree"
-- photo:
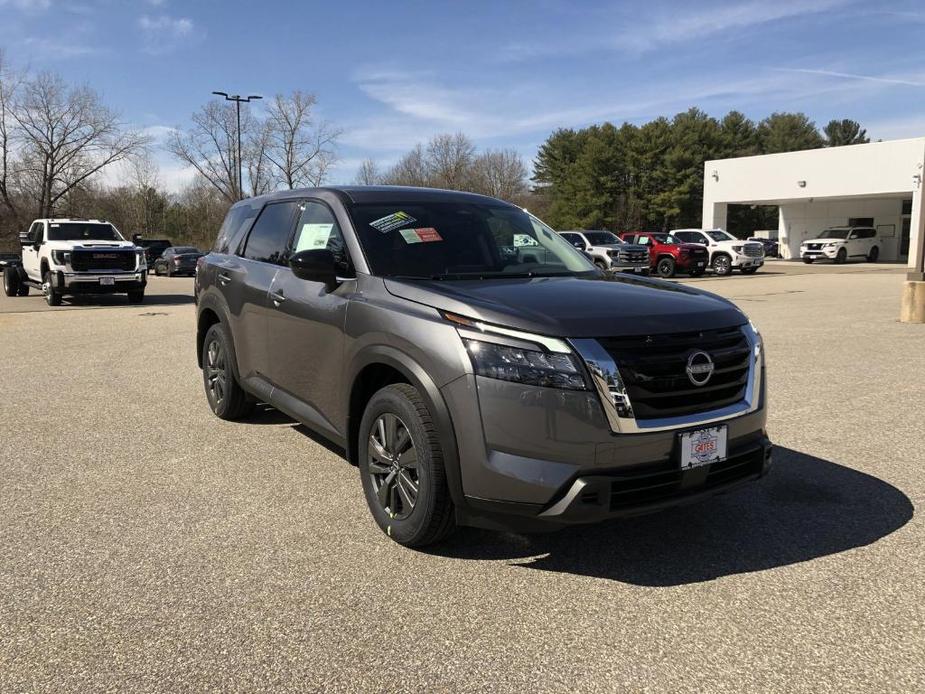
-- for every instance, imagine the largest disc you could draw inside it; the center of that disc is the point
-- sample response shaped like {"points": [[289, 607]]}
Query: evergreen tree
{"points": [[844, 132]]}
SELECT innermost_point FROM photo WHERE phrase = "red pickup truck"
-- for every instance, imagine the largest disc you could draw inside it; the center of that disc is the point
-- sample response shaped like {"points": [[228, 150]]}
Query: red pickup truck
{"points": [[668, 255]]}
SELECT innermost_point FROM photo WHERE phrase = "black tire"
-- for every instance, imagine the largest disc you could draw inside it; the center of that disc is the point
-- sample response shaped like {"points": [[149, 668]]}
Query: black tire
{"points": [[601, 265], [873, 255], [157, 273], [722, 264], [223, 392], [430, 516], [665, 267], [808, 261], [11, 281], [136, 297], [23, 290], [841, 256], [749, 270], [696, 272], [52, 298]]}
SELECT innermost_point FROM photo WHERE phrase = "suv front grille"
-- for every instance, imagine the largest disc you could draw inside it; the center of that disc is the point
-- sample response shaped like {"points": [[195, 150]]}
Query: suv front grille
{"points": [[654, 486], [755, 250], [654, 371], [814, 246], [115, 259]]}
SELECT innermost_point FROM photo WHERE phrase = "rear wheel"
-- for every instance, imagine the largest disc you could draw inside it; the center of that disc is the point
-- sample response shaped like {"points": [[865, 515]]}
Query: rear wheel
{"points": [[52, 298], [873, 255], [11, 282], [226, 397], [402, 468], [722, 264], [665, 267]]}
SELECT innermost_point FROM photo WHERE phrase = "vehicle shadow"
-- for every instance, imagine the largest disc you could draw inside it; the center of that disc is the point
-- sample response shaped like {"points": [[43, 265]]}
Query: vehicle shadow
{"points": [[805, 508], [119, 300], [267, 414]]}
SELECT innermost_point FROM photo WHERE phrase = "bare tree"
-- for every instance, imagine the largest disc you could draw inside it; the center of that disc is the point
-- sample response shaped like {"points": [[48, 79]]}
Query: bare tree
{"points": [[501, 174], [449, 160], [259, 168], [211, 145], [66, 137], [411, 170], [368, 175], [9, 83], [299, 149]]}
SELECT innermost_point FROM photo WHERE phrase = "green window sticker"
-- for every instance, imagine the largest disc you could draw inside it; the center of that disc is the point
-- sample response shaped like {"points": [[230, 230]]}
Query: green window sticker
{"points": [[392, 221]]}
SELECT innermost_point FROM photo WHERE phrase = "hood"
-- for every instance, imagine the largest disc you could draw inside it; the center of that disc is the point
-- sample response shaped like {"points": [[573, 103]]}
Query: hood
{"points": [[88, 245], [577, 307]]}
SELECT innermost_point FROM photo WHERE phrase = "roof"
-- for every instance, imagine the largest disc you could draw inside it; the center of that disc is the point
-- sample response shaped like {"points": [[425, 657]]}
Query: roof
{"points": [[384, 194]]}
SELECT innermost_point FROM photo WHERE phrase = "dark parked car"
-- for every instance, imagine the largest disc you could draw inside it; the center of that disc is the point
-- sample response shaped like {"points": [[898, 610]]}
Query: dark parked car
{"points": [[771, 247], [478, 368], [178, 260], [153, 248]]}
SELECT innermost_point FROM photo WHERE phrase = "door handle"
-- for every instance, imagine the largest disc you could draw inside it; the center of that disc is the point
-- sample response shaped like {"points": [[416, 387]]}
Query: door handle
{"points": [[277, 298], [224, 277]]}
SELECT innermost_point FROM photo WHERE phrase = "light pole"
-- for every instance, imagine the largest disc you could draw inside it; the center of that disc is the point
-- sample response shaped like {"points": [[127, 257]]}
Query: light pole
{"points": [[238, 99]]}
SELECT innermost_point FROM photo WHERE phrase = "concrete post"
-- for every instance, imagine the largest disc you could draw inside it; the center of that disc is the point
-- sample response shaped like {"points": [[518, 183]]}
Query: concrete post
{"points": [[714, 215], [913, 301]]}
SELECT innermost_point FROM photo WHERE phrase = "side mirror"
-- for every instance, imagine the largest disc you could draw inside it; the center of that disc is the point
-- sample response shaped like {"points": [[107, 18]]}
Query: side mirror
{"points": [[315, 266], [24, 239]]}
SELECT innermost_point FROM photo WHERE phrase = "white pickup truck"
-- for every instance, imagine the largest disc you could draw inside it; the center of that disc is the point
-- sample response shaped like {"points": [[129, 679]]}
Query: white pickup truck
{"points": [[76, 256], [727, 253]]}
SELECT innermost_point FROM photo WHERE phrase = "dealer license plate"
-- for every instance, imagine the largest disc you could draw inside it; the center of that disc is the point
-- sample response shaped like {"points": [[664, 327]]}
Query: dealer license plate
{"points": [[107, 281], [701, 264], [702, 447]]}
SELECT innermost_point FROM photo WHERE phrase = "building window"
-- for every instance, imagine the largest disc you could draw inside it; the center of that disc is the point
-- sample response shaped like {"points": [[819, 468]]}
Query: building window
{"points": [[860, 221]]}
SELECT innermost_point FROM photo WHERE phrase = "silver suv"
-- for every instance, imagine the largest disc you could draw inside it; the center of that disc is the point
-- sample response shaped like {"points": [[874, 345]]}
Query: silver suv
{"points": [[476, 367]]}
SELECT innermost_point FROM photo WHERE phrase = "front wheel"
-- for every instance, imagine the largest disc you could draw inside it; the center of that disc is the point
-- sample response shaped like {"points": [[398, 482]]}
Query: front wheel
{"points": [[402, 468], [722, 265], [665, 267], [696, 272], [841, 256], [808, 261], [52, 298]]}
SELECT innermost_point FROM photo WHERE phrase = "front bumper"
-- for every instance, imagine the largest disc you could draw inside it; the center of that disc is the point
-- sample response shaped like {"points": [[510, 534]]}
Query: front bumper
{"points": [[816, 254], [740, 261], [618, 266], [93, 282]]}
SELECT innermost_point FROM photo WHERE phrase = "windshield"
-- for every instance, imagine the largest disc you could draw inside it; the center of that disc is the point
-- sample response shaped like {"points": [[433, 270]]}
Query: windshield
{"points": [[82, 231], [462, 240], [601, 238], [720, 235], [834, 234]]}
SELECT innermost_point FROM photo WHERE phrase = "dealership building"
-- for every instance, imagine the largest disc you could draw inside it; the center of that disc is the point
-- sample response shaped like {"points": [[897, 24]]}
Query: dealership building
{"points": [[877, 184]]}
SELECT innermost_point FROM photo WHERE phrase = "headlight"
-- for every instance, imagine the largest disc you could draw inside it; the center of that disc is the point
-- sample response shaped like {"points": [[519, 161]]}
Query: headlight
{"points": [[61, 257], [140, 252], [527, 366], [831, 245], [737, 249], [759, 343]]}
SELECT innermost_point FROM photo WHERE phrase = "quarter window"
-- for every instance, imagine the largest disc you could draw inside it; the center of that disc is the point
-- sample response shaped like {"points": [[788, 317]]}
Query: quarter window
{"points": [[269, 238]]}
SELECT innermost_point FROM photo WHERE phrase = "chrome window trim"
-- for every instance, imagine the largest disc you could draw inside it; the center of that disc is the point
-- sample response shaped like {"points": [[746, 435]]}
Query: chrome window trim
{"points": [[605, 375]]}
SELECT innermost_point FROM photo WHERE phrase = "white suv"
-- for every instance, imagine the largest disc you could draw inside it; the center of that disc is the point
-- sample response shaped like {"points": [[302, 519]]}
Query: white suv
{"points": [[77, 256], [838, 244], [726, 251]]}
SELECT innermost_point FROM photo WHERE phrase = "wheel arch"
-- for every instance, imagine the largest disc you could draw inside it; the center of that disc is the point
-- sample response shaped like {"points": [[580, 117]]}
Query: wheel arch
{"points": [[210, 313], [382, 365]]}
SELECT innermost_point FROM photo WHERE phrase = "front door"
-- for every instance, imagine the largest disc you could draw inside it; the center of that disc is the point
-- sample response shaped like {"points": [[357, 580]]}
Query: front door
{"points": [[30, 251], [306, 325]]}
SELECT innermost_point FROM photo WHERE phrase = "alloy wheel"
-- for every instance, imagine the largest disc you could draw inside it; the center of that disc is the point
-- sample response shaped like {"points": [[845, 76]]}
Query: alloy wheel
{"points": [[216, 376], [393, 466]]}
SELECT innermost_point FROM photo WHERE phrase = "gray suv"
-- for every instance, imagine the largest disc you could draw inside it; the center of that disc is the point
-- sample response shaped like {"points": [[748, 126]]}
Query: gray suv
{"points": [[477, 368]]}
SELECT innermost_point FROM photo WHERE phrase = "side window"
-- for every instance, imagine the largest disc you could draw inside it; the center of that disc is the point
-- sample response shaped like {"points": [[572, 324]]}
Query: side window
{"points": [[237, 222], [35, 233], [318, 228], [269, 238]]}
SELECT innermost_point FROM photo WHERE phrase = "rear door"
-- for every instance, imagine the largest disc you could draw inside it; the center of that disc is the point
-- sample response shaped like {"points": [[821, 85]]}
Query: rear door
{"points": [[306, 323], [246, 279]]}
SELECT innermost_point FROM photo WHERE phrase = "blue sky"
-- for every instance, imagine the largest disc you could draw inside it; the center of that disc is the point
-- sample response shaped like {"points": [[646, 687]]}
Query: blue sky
{"points": [[391, 74]]}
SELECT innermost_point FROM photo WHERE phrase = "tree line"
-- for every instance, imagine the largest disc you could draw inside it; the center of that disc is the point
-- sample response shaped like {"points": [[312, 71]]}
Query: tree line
{"points": [[650, 176]]}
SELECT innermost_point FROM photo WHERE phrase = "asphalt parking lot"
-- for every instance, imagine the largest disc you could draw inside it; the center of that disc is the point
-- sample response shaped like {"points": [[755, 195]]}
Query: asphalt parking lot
{"points": [[146, 545]]}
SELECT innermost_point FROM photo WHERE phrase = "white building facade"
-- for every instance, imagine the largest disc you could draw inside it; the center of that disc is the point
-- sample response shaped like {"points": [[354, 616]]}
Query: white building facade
{"points": [[877, 184]]}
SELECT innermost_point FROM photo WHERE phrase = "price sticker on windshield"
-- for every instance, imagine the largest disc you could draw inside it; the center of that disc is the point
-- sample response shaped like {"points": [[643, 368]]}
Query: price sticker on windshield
{"points": [[425, 235], [392, 221]]}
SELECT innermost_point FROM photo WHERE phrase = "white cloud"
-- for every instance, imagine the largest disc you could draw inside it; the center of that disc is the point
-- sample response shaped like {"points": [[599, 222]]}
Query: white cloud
{"points": [[163, 33], [50, 49], [852, 76], [27, 5]]}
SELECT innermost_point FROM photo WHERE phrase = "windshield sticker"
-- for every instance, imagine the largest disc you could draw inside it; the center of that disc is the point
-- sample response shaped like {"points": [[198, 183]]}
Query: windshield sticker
{"points": [[314, 236], [392, 222], [425, 235]]}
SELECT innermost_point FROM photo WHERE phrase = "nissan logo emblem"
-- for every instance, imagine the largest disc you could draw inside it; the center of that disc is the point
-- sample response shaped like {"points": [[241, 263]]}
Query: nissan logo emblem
{"points": [[699, 368]]}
